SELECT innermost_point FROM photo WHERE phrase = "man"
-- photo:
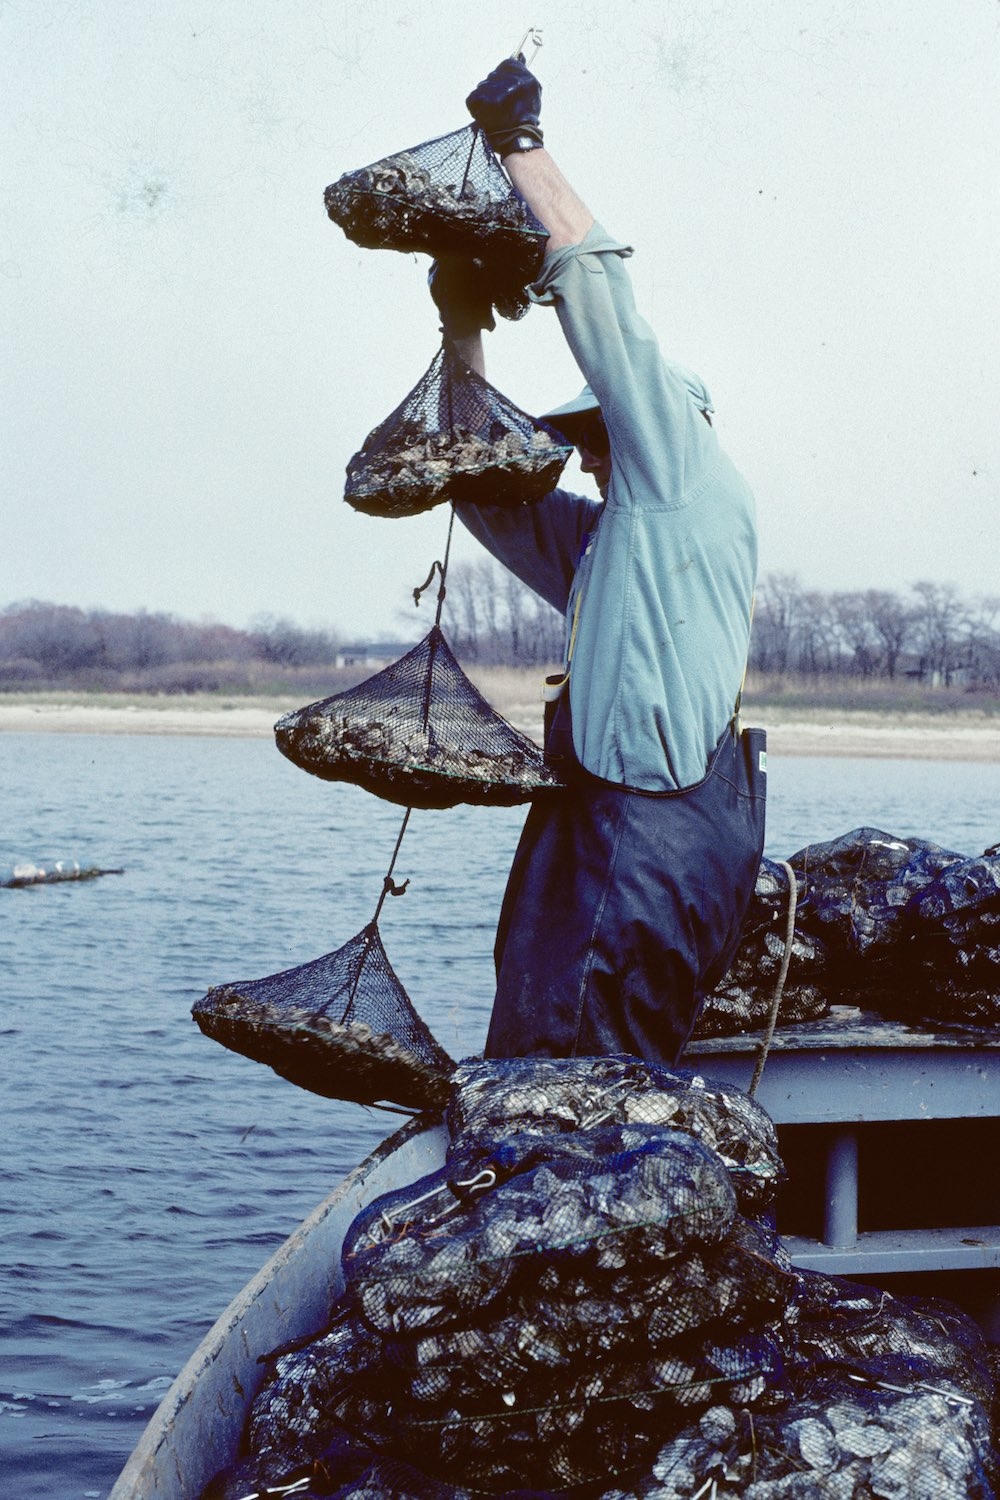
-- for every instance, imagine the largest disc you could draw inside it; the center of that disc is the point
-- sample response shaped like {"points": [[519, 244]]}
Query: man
{"points": [[627, 893]]}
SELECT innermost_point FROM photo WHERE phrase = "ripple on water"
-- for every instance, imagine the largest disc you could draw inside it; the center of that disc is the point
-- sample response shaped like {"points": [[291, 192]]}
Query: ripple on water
{"points": [[147, 1172]]}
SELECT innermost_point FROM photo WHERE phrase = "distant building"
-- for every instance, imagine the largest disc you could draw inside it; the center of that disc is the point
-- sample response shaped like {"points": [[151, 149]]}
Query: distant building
{"points": [[376, 655]]}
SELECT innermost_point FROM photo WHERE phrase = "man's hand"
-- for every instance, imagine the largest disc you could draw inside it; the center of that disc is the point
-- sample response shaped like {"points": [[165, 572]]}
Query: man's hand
{"points": [[507, 106], [458, 286]]}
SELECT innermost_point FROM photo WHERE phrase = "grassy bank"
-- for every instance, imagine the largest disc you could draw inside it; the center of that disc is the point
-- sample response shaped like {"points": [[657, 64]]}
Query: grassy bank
{"points": [[808, 695], [515, 690]]}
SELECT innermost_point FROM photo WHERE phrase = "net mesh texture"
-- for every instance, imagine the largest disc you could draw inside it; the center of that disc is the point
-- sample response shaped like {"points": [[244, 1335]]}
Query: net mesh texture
{"points": [[447, 196], [419, 734], [454, 437], [896, 925], [583, 1310], [341, 1026]]}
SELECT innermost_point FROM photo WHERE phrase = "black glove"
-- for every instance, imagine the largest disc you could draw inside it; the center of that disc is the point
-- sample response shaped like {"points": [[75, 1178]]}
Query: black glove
{"points": [[458, 286], [507, 105]]}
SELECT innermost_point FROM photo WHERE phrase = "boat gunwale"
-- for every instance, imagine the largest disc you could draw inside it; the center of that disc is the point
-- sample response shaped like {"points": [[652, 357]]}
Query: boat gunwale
{"points": [[156, 1467]]}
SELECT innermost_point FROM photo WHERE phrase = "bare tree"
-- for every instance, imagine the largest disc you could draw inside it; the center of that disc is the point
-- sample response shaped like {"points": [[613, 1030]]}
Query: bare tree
{"points": [[282, 641], [775, 618], [984, 641], [940, 622], [854, 624], [815, 638], [892, 622], [496, 619]]}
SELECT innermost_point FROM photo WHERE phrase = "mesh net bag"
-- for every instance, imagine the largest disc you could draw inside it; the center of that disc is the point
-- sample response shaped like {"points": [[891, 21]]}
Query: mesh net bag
{"points": [[419, 734], [515, 1323], [854, 889], [493, 1099], [341, 1026], [846, 1325], [448, 196], [838, 1440], [637, 1196], [953, 955], [888, 1397], [454, 437], [742, 1001]]}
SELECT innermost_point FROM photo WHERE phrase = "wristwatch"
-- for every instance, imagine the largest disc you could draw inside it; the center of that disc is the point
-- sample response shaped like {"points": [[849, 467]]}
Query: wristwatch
{"points": [[520, 143]]}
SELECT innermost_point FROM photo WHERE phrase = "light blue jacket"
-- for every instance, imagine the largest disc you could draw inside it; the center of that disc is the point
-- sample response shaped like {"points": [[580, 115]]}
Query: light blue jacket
{"points": [[664, 570]]}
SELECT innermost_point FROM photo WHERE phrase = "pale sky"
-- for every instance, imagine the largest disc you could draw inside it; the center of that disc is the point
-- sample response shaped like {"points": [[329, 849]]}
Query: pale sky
{"points": [[190, 351]]}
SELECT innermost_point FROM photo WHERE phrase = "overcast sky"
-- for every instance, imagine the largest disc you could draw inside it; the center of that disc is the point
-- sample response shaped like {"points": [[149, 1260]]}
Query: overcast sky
{"points": [[191, 351]]}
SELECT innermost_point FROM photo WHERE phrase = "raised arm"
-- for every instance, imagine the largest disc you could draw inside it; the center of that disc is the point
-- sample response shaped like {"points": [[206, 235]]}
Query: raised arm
{"points": [[507, 105]]}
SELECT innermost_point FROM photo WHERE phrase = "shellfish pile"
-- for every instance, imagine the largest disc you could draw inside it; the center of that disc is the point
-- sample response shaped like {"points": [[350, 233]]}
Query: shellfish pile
{"points": [[421, 469], [582, 1305]]}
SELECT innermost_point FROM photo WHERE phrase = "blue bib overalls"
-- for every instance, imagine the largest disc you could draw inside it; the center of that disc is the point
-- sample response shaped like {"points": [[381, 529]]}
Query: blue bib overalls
{"points": [[623, 908]]}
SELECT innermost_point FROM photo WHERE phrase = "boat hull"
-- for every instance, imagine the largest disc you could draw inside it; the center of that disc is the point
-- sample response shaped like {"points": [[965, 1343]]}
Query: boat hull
{"points": [[196, 1429]]}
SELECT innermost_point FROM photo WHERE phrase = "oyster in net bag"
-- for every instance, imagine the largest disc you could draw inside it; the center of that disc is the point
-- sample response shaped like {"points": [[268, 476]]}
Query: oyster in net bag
{"points": [[454, 437], [341, 1026], [419, 734], [448, 196]]}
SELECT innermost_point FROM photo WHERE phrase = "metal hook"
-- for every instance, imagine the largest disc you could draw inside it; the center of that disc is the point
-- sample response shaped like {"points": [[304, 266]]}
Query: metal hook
{"points": [[478, 1184], [487, 1178], [533, 35]]}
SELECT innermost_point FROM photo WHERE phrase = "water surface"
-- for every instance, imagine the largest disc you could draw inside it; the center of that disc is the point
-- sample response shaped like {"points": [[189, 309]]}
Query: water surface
{"points": [[146, 1172]]}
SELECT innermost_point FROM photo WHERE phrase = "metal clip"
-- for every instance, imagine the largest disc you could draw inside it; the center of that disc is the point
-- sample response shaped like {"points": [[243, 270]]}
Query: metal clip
{"points": [[280, 1490], [533, 35], [486, 1179], [385, 1227]]}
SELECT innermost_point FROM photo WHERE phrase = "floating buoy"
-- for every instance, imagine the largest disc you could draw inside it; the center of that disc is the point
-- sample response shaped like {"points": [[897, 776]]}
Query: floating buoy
{"points": [[14, 876]]}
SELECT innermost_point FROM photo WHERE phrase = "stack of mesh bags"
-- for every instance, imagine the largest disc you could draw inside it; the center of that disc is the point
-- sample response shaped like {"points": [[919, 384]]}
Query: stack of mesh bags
{"points": [[889, 1399], [953, 946], [586, 1273], [584, 1302], [742, 1001], [893, 924], [910, 929], [886, 1399]]}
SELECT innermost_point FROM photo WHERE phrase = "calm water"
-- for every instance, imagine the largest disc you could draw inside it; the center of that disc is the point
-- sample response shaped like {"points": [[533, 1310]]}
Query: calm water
{"points": [[146, 1171]]}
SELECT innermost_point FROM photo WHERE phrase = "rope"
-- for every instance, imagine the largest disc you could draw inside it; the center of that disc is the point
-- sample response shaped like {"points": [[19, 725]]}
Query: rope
{"points": [[779, 988], [389, 888]]}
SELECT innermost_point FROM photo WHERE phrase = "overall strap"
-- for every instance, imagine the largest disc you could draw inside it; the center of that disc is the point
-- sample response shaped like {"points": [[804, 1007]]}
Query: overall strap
{"points": [[736, 721], [552, 687]]}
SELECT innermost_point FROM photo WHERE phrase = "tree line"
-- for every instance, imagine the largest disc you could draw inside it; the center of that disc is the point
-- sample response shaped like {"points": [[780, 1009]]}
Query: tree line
{"points": [[59, 644], [929, 634]]}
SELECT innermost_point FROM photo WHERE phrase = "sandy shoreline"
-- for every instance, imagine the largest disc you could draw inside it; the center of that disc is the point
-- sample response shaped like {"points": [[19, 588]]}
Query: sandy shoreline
{"points": [[960, 736]]}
